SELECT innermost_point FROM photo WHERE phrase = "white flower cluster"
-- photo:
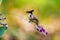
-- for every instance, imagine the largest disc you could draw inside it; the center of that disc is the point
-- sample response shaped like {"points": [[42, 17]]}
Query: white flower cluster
{"points": [[2, 19]]}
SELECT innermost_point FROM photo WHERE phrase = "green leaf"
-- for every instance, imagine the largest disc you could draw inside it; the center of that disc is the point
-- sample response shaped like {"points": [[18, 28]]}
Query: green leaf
{"points": [[2, 29]]}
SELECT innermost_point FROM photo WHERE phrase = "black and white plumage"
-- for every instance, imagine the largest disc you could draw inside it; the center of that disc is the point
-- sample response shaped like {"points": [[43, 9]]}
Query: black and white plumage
{"points": [[31, 17]]}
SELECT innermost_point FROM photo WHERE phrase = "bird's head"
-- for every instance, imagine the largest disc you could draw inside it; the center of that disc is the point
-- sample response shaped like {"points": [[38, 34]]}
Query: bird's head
{"points": [[30, 11]]}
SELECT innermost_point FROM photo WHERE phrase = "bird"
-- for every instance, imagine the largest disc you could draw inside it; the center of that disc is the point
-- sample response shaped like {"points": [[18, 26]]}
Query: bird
{"points": [[31, 17]]}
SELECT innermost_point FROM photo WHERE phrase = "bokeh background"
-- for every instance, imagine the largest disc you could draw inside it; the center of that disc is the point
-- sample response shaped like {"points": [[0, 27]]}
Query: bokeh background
{"points": [[46, 11]]}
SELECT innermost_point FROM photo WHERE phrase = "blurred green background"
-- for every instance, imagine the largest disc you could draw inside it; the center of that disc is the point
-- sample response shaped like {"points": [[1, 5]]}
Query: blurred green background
{"points": [[46, 11]]}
